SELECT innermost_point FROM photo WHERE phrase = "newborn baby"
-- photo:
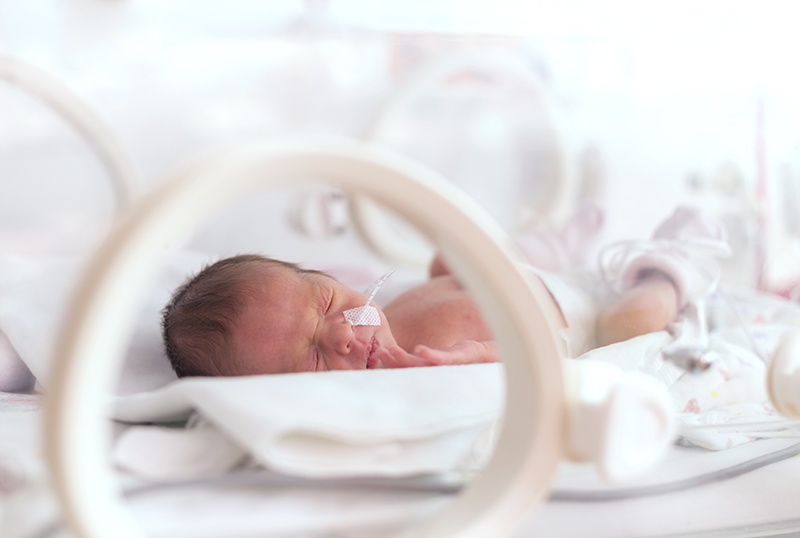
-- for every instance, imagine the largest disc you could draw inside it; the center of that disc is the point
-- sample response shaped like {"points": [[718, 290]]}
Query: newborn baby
{"points": [[249, 315]]}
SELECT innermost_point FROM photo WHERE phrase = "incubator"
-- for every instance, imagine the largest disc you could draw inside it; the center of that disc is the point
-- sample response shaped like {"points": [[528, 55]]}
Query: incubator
{"points": [[558, 171]]}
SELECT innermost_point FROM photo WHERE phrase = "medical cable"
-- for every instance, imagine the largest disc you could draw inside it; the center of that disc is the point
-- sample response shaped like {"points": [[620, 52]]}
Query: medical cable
{"points": [[756, 348], [565, 495], [367, 315]]}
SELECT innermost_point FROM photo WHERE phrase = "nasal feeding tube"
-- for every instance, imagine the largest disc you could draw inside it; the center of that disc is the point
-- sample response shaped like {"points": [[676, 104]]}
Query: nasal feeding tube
{"points": [[367, 315]]}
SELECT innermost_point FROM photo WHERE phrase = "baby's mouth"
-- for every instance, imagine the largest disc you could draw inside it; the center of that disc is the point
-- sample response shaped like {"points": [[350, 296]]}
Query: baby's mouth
{"points": [[373, 346]]}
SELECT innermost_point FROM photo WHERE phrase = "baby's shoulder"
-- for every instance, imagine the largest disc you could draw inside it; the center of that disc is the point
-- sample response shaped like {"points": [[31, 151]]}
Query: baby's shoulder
{"points": [[434, 293]]}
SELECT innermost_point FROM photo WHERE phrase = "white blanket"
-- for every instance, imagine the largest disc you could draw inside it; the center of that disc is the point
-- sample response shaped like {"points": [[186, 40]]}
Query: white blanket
{"points": [[341, 423]]}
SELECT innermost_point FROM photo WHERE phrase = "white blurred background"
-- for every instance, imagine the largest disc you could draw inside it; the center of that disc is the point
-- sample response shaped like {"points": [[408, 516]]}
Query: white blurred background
{"points": [[645, 105]]}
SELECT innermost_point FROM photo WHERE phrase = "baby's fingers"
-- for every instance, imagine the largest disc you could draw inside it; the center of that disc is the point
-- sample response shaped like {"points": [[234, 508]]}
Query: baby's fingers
{"points": [[397, 357], [463, 352], [442, 357], [436, 356]]}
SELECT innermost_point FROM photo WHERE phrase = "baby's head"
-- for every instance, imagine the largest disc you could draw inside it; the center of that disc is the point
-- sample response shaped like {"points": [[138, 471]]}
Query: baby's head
{"points": [[249, 315]]}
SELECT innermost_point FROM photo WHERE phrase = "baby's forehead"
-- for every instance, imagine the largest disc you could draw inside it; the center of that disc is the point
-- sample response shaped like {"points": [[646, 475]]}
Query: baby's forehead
{"points": [[273, 298], [275, 282], [278, 303]]}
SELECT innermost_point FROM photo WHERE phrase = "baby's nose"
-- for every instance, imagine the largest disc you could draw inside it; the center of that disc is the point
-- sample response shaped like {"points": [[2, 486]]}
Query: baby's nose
{"points": [[338, 335]]}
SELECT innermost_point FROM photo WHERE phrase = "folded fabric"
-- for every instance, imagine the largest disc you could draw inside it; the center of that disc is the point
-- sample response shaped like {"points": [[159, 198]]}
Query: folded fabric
{"points": [[167, 453], [342, 423]]}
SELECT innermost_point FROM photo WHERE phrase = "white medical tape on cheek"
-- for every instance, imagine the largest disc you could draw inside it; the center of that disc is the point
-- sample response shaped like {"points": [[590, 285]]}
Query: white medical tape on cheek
{"points": [[367, 315], [363, 315]]}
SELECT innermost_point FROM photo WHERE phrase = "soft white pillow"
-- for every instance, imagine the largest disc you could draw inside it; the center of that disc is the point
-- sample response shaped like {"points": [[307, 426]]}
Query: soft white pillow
{"points": [[34, 296]]}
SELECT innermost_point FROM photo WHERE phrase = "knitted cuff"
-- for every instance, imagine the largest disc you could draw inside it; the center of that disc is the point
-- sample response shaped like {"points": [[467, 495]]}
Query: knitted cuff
{"points": [[672, 265]]}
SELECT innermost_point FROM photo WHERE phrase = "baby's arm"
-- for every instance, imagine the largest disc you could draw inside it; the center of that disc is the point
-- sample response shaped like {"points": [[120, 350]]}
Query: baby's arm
{"points": [[649, 306], [463, 352]]}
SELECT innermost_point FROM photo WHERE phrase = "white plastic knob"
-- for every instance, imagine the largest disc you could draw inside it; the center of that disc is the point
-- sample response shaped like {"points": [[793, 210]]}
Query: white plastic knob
{"points": [[784, 376], [620, 421], [320, 213]]}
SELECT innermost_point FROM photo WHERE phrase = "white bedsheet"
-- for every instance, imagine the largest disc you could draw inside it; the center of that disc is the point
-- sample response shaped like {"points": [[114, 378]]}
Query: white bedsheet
{"points": [[209, 510]]}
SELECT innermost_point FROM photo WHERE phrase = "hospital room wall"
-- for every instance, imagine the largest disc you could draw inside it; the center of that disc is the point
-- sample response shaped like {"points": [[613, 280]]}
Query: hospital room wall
{"points": [[664, 112]]}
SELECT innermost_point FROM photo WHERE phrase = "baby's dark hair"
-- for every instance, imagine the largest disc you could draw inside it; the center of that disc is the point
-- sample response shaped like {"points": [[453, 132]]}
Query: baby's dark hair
{"points": [[197, 323]]}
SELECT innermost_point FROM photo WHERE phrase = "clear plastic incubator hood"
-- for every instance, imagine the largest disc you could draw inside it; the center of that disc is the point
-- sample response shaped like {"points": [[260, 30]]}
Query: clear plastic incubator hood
{"points": [[589, 216]]}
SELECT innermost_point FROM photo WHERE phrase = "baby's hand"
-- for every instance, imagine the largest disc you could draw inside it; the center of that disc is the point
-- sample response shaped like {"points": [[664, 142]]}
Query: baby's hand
{"points": [[463, 352]]}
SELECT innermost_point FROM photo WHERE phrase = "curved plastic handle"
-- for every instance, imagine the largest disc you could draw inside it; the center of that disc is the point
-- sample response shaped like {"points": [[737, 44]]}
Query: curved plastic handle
{"points": [[102, 315], [370, 221], [620, 421], [119, 167]]}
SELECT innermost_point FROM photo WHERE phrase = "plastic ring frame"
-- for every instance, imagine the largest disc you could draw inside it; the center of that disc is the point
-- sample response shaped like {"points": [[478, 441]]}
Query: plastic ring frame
{"points": [[103, 311], [370, 221], [119, 167]]}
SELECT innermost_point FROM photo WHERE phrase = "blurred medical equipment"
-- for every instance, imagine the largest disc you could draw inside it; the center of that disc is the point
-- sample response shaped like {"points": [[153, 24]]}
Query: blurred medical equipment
{"points": [[760, 217], [471, 116], [367, 315]]}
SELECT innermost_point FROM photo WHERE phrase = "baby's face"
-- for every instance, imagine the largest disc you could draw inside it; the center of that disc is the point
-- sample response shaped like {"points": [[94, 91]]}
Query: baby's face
{"points": [[295, 323]]}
